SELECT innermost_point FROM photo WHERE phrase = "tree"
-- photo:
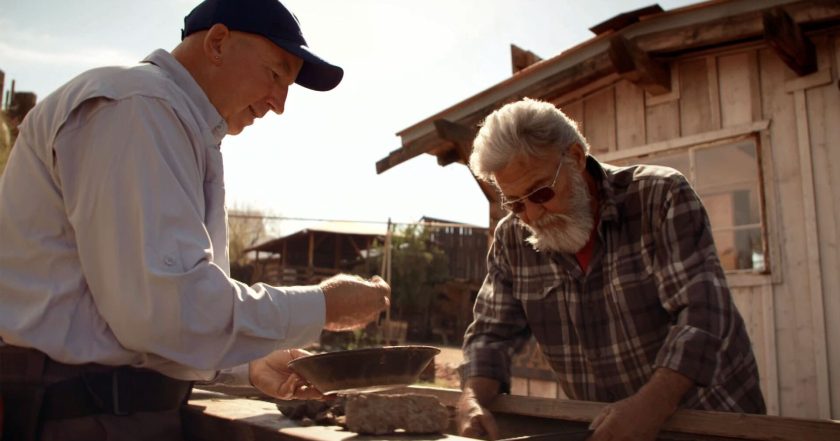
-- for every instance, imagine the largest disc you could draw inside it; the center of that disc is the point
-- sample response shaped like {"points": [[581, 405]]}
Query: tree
{"points": [[246, 228], [418, 266]]}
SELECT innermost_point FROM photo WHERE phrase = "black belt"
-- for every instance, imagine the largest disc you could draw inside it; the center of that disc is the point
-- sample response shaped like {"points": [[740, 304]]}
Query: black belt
{"points": [[89, 389], [122, 391]]}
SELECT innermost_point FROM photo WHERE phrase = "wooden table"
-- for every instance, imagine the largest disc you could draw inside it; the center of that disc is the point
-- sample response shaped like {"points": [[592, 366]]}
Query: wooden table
{"points": [[214, 416]]}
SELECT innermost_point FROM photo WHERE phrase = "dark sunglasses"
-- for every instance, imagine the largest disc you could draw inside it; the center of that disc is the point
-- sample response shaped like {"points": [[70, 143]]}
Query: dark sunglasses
{"points": [[538, 196]]}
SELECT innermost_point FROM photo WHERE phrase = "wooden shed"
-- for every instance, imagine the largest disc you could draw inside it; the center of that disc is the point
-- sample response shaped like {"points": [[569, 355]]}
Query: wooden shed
{"points": [[314, 254], [742, 97]]}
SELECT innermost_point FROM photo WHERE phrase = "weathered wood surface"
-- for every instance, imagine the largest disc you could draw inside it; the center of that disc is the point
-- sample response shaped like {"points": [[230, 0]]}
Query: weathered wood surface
{"points": [[706, 425], [212, 416]]}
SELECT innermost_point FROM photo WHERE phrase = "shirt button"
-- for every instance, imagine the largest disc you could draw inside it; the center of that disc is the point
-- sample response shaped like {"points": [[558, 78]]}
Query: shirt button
{"points": [[168, 261]]}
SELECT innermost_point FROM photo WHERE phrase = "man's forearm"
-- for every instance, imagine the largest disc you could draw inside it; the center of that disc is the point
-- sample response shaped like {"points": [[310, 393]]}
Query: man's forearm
{"points": [[666, 389], [483, 389]]}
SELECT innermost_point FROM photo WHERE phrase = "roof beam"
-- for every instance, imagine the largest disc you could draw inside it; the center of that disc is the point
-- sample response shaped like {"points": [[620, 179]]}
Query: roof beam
{"points": [[521, 58], [636, 66], [460, 136], [786, 38]]}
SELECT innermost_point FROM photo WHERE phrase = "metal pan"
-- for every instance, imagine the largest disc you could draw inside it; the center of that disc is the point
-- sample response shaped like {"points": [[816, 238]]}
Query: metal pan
{"points": [[364, 370]]}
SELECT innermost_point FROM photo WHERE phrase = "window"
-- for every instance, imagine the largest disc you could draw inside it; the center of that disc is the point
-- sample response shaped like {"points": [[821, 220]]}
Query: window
{"points": [[727, 178]]}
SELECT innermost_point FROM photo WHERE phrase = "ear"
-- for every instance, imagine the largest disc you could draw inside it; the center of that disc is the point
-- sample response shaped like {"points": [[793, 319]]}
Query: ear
{"points": [[214, 42], [576, 154]]}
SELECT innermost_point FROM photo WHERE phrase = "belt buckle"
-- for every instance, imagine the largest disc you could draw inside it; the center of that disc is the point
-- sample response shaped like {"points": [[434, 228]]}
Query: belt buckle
{"points": [[117, 395]]}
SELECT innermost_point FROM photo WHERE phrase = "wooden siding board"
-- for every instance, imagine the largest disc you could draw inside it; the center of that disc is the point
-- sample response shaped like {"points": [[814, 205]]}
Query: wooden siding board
{"points": [[575, 112], [695, 104], [749, 303], [662, 121], [739, 89], [599, 120], [823, 107], [714, 91], [831, 168], [794, 345], [629, 115]]}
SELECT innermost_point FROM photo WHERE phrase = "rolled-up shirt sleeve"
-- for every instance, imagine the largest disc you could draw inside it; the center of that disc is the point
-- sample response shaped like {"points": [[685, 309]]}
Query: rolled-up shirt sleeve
{"points": [[132, 185], [694, 288]]}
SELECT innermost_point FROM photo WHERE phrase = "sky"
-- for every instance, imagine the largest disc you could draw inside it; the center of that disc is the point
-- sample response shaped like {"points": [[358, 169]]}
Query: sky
{"points": [[404, 61]]}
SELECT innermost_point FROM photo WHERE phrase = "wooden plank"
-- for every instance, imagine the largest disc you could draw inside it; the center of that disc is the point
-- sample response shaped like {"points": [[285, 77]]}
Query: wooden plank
{"points": [[819, 78], [797, 381], [460, 136], [697, 422], [788, 41], [831, 259], [813, 250], [732, 25], [599, 121], [217, 417], [587, 89], [521, 58], [673, 95], [575, 112], [712, 79], [823, 107], [629, 115], [695, 105], [662, 122], [829, 160], [686, 141], [638, 67], [771, 217], [770, 370], [625, 19], [739, 89]]}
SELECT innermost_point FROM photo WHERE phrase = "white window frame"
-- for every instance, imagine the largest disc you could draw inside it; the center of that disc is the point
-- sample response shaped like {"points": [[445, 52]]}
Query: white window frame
{"points": [[755, 132]]}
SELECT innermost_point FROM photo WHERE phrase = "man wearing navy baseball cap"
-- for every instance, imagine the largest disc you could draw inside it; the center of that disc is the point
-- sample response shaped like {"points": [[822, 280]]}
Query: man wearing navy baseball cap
{"points": [[114, 272]]}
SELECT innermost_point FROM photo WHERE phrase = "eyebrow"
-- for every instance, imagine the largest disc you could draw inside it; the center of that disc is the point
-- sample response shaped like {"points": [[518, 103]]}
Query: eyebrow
{"points": [[283, 65], [535, 186]]}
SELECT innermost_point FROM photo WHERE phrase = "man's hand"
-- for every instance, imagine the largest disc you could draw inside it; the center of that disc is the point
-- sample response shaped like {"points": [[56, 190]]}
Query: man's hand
{"points": [[641, 416], [472, 418], [272, 376], [631, 419], [352, 302]]}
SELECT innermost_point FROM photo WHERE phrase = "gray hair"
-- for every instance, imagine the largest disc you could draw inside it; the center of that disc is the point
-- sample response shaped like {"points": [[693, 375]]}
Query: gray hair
{"points": [[528, 127]]}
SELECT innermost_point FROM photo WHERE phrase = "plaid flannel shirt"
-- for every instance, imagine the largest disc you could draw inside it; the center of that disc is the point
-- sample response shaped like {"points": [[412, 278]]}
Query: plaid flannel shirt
{"points": [[654, 295]]}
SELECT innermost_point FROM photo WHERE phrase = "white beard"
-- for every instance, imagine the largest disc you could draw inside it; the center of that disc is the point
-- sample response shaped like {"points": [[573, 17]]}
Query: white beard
{"points": [[565, 233]]}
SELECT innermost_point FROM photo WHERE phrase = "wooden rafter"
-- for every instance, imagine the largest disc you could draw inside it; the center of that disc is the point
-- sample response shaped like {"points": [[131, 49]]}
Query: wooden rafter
{"points": [[521, 58], [786, 38], [636, 66], [460, 136]]}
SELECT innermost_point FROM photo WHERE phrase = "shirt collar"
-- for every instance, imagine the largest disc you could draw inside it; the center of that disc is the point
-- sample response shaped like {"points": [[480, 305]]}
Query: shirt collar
{"points": [[605, 180], [216, 125]]}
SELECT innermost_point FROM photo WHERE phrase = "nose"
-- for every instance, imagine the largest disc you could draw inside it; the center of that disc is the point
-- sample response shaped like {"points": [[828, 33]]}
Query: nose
{"points": [[277, 99], [532, 212]]}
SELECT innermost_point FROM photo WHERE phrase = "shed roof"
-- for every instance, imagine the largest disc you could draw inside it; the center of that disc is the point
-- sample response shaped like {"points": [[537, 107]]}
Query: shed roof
{"points": [[661, 34], [353, 229]]}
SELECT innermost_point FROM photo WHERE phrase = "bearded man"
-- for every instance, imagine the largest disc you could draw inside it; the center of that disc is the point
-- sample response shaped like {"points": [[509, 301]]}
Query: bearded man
{"points": [[614, 272]]}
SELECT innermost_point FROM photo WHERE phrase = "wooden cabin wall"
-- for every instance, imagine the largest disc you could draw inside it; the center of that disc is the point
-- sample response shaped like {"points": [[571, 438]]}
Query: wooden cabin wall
{"points": [[792, 312]]}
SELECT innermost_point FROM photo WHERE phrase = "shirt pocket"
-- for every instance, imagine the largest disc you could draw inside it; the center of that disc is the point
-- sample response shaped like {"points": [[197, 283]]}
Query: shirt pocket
{"points": [[533, 288]]}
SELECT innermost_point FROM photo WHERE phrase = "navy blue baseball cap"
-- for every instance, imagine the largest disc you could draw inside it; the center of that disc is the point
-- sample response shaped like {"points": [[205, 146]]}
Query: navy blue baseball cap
{"points": [[273, 21]]}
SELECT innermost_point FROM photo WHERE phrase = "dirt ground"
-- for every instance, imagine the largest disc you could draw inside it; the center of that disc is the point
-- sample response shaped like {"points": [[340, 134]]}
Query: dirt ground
{"points": [[446, 364]]}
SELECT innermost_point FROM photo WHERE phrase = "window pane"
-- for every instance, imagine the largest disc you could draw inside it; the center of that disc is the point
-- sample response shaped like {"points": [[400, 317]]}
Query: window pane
{"points": [[726, 177], [740, 249], [727, 180], [726, 164]]}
